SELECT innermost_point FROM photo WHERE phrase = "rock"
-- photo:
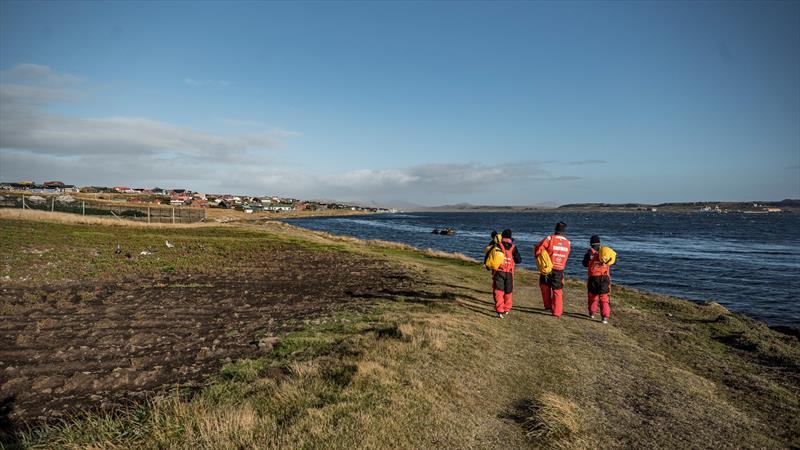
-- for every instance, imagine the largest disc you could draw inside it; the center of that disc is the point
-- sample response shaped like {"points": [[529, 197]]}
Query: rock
{"points": [[719, 309]]}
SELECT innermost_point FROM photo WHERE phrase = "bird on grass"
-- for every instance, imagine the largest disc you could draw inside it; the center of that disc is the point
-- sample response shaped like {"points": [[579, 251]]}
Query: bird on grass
{"points": [[168, 244], [118, 250]]}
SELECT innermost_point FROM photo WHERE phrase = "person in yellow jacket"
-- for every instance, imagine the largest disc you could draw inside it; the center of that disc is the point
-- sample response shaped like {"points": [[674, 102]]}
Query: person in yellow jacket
{"points": [[503, 275], [599, 282]]}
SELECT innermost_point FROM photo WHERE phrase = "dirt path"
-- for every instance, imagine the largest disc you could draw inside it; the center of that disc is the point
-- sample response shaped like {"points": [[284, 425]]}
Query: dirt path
{"points": [[96, 345]]}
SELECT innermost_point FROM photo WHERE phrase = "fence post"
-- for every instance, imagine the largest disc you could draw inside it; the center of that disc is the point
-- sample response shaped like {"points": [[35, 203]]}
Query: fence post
{"points": [[148, 214], [173, 214], [23, 201], [53, 204], [83, 208]]}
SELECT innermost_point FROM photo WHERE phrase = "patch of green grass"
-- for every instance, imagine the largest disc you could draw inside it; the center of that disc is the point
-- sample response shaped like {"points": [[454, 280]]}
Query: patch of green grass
{"points": [[245, 370], [38, 251]]}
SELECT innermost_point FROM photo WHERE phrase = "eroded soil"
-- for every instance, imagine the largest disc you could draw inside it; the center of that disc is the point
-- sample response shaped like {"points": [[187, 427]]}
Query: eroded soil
{"points": [[92, 345]]}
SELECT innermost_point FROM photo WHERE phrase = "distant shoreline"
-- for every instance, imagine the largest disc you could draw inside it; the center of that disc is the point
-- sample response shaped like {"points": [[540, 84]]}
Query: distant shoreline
{"points": [[752, 207]]}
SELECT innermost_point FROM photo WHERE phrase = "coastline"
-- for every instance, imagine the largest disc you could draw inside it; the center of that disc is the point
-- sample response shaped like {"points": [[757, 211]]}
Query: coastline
{"points": [[404, 360]]}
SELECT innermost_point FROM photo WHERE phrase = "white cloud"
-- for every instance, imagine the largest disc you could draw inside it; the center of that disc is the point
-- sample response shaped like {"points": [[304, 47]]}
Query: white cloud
{"points": [[586, 162], [427, 183], [11, 94], [25, 125], [36, 73]]}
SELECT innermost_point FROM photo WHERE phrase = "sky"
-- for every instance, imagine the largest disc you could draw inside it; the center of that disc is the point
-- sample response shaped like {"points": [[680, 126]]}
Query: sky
{"points": [[430, 103]]}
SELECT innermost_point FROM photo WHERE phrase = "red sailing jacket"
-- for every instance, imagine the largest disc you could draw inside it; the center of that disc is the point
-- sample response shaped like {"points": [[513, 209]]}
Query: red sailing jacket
{"points": [[596, 267], [557, 247]]}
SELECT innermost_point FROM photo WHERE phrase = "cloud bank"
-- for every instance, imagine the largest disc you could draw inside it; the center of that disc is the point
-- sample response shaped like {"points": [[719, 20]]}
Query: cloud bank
{"points": [[38, 144], [26, 125]]}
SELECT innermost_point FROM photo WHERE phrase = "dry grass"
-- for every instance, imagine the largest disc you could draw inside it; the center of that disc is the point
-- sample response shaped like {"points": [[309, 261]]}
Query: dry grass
{"points": [[552, 417], [67, 218], [222, 213]]}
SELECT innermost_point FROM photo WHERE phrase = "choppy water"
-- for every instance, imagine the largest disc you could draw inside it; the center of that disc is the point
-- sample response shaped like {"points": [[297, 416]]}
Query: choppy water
{"points": [[749, 263]]}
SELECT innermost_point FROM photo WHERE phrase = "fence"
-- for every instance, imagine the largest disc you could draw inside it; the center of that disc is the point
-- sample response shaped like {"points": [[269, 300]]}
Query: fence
{"points": [[69, 204]]}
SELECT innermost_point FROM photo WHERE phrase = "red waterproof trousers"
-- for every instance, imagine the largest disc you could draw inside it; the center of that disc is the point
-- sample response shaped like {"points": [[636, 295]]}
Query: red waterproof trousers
{"points": [[502, 301], [552, 299], [605, 305]]}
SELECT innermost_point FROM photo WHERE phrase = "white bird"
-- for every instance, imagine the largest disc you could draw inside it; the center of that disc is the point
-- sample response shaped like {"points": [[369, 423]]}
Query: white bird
{"points": [[168, 244], [145, 253]]}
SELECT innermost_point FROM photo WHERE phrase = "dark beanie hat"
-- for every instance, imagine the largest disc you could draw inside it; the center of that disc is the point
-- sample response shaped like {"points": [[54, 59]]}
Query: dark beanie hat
{"points": [[506, 234], [561, 227], [595, 239]]}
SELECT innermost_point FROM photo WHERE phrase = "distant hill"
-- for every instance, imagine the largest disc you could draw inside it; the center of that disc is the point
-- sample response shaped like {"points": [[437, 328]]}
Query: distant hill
{"points": [[786, 204], [469, 207]]}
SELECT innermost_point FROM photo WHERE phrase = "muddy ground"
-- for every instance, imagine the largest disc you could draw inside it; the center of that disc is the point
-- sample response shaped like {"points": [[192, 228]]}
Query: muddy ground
{"points": [[87, 345]]}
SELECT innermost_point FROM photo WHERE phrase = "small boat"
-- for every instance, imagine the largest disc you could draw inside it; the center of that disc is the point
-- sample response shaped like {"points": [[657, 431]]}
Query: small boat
{"points": [[444, 231]]}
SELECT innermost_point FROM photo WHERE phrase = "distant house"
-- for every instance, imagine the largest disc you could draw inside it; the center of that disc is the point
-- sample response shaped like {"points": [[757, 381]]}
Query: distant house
{"points": [[123, 190], [278, 207]]}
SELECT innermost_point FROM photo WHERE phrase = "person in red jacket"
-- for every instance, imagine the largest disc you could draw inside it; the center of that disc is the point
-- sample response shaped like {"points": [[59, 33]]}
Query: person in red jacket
{"points": [[599, 282], [552, 284], [503, 277]]}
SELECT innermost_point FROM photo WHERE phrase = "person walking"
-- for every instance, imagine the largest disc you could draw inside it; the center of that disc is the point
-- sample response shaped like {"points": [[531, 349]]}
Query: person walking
{"points": [[599, 281], [557, 247], [503, 276]]}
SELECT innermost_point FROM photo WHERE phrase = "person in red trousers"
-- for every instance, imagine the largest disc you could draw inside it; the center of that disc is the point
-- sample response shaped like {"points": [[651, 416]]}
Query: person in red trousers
{"points": [[599, 282], [503, 277], [552, 284]]}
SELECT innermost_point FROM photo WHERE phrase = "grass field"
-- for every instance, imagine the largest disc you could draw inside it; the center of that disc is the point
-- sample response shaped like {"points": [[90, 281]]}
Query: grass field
{"points": [[409, 354]]}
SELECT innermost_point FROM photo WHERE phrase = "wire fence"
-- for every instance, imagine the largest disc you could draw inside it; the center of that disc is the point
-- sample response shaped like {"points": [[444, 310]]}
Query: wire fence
{"points": [[68, 204]]}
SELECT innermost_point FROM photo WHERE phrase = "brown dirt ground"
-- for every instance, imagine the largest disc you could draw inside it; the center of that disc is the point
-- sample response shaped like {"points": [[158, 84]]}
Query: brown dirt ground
{"points": [[94, 346]]}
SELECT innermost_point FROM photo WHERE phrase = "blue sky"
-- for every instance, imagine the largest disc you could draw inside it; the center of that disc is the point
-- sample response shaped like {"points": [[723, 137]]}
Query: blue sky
{"points": [[430, 103]]}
